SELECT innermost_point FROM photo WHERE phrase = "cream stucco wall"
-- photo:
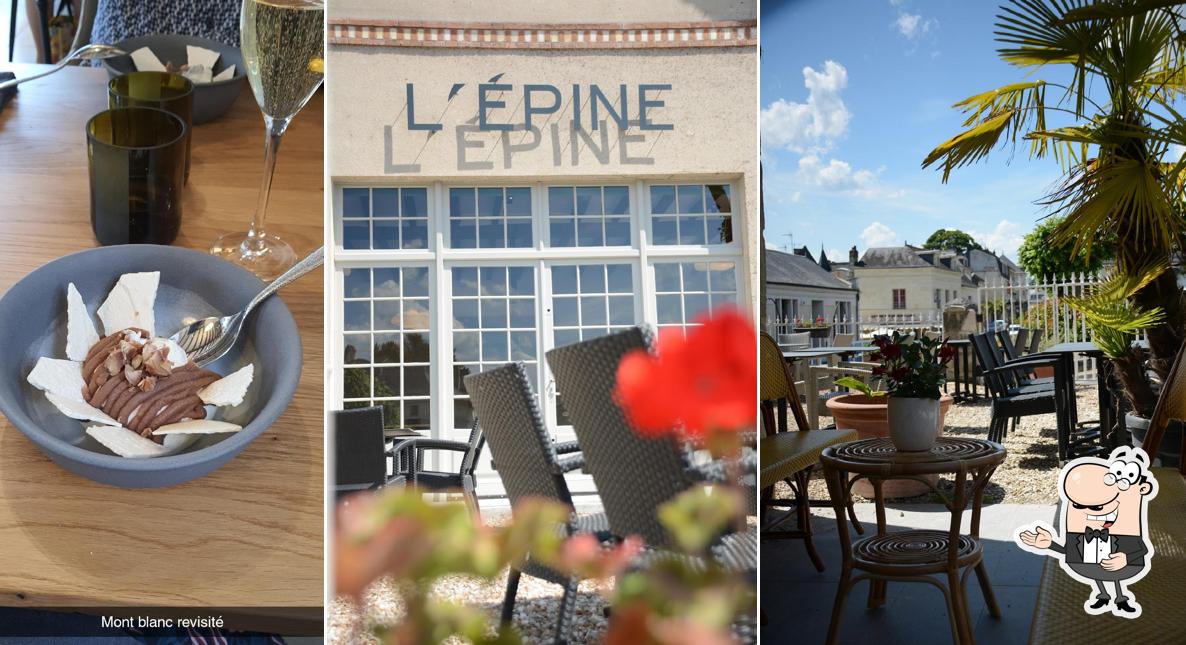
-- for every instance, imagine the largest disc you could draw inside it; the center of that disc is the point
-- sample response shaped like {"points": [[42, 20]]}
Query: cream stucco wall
{"points": [[877, 285], [711, 106], [552, 11]]}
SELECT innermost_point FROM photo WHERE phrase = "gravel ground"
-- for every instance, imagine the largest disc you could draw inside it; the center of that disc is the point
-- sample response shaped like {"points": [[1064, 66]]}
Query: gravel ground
{"points": [[536, 604], [1030, 472]]}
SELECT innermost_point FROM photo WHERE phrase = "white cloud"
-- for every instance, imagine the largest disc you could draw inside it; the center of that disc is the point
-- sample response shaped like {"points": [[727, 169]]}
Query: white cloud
{"points": [[878, 234], [839, 177], [1005, 238], [914, 26], [815, 125]]}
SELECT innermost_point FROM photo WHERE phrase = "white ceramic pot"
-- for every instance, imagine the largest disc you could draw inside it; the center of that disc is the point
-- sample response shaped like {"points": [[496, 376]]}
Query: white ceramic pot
{"points": [[913, 423]]}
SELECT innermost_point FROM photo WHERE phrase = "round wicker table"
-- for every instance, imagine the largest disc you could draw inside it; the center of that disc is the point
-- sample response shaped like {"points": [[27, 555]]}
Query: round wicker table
{"points": [[941, 558]]}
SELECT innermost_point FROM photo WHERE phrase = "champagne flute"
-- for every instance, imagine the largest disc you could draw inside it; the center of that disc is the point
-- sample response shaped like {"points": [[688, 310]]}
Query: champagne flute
{"points": [[283, 49]]}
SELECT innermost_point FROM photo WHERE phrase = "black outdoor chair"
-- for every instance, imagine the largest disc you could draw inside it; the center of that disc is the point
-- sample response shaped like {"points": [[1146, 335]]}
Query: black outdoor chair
{"points": [[360, 451], [1035, 341], [1010, 402], [1006, 350], [635, 475], [1020, 347], [529, 463], [410, 455]]}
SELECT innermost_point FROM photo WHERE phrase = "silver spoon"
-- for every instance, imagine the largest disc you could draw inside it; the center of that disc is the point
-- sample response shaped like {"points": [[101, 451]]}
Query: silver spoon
{"points": [[207, 340], [93, 51]]}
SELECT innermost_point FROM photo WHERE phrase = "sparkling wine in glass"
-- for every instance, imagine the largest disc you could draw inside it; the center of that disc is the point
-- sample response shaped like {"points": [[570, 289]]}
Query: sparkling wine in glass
{"points": [[284, 51]]}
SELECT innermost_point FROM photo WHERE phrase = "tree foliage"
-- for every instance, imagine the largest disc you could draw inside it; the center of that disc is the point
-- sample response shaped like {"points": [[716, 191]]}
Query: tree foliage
{"points": [[1109, 112], [952, 239], [1041, 256]]}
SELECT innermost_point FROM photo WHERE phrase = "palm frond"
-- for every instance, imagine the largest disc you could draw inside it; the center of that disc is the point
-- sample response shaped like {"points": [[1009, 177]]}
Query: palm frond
{"points": [[1109, 313], [1005, 111]]}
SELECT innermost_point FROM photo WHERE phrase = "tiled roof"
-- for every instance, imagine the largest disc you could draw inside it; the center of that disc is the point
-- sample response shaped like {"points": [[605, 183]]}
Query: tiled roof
{"points": [[796, 270]]}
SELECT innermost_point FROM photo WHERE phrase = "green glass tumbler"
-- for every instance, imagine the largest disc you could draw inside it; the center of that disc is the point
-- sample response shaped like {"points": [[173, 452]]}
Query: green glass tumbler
{"points": [[169, 92], [137, 169]]}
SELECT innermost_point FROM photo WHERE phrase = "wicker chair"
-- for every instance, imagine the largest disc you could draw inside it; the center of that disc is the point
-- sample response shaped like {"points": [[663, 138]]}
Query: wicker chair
{"points": [[530, 466], [411, 453], [360, 451], [800, 340], [776, 384], [1057, 615], [635, 475]]}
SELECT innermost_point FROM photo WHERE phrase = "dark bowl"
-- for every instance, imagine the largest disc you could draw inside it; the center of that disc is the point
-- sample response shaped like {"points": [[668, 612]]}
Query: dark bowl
{"points": [[193, 285], [211, 100]]}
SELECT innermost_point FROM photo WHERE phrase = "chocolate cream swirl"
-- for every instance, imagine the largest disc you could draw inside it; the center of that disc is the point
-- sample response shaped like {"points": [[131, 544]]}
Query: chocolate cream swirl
{"points": [[129, 377]]}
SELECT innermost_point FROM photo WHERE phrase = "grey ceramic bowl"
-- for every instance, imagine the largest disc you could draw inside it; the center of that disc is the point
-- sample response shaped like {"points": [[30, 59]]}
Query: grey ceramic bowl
{"points": [[211, 100], [193, 284]]}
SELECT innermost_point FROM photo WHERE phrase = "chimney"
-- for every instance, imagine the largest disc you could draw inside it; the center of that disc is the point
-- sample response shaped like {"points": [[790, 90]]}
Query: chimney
{"points": [[853, 256]]}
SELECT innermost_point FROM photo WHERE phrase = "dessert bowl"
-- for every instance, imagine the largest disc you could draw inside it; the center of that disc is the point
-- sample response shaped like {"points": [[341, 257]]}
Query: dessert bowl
{"points": [[211, 100], [192, 285]]}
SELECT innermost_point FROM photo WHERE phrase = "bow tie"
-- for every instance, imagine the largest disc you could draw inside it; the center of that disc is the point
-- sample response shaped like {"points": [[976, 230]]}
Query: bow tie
{"points": [[1095, 534]]}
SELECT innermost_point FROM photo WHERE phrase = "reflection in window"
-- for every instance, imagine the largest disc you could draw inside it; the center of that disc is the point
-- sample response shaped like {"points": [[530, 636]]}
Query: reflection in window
{"points": [[589, 215], [490, 218], [588, 301], [385, 324], [494, 323], [691, 214], [384, 218], [684, 290]]}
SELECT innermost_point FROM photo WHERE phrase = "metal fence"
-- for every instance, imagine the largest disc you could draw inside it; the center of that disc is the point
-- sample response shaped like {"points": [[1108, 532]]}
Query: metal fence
{"points": [[1035, 304]]}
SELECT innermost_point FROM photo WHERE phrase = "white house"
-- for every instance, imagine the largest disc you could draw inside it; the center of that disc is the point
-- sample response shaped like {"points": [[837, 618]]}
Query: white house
{"points": [[908, 281], [798, 288]]}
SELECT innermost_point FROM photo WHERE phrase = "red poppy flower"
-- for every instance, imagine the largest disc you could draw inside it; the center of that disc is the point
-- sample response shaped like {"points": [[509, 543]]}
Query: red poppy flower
{"points": [[703, 383]]}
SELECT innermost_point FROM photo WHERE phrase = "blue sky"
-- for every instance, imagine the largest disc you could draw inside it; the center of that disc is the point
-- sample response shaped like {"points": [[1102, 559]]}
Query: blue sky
{"points": [[854, 94]]}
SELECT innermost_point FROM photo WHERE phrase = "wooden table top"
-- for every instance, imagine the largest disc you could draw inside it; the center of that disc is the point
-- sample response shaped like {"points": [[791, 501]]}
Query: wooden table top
{"points": [[249, 534]]}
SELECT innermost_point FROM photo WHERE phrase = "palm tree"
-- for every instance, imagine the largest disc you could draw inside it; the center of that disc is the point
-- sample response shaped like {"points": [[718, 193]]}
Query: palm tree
{"points": [[1111, 126]]}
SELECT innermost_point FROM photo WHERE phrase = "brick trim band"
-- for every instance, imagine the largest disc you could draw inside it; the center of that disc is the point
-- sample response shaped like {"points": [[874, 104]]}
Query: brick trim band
{"points": [[386, 33]]}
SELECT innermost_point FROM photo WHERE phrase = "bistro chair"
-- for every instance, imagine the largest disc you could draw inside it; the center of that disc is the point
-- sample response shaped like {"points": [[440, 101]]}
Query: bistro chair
{"points": [[1020, 342], [410, 455], [360, 451], [530, 465], [1010, 402], [1035, 341], [1006, 351], [1058, 617], [635, 475], [801, 448]]}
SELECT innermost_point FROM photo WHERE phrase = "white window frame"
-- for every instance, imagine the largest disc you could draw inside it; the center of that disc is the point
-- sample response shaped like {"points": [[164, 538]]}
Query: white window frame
{"points": [[440, 259]]}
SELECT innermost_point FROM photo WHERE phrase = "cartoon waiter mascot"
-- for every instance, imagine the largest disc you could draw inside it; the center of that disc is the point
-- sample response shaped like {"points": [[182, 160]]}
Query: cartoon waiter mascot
{"points": [[1104, 532]]}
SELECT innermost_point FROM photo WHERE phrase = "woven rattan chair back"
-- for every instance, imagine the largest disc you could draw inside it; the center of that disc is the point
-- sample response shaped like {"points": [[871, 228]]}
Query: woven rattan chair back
{"points": [[776, 383], [800, 340], [476, 441], [522, 449], [634, 474], [359, 446], [1171, 405]]}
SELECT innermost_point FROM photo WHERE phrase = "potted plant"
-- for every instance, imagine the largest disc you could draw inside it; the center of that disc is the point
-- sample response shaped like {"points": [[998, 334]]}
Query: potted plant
{"points": [[1117, 137], [914, 370]]}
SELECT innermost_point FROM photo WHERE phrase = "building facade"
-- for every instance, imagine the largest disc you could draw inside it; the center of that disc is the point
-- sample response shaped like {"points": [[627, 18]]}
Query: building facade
{"points": [[508, 179], [904, 281], [800, 289]]}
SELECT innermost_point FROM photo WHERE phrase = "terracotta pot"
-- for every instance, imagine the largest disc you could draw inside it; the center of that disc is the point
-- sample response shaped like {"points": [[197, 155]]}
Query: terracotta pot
{"points": [[869, 416], [1045, 371]]}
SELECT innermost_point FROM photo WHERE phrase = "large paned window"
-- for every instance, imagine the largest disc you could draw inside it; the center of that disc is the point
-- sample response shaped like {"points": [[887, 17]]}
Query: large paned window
{"points": [[685, 290], [490, 218], [494, 323], [589, 215], [386, 341], [384, 218], [436, 282], [691, 214]]}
